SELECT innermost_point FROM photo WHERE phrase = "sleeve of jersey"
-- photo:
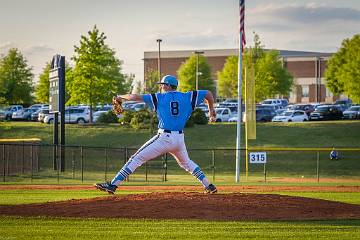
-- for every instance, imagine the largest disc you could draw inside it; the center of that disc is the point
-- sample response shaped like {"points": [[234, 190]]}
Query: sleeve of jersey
{"points": [[150, 100], [197, 97]]}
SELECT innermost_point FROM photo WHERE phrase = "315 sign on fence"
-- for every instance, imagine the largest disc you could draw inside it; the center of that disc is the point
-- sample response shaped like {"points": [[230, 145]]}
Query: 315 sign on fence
{"points": [[257, 157]]}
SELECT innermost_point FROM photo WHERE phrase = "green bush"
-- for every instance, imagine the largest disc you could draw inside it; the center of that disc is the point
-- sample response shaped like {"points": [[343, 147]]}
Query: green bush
{"points": [[108, 117], [126, 117], [199, 117], [143, 119]]}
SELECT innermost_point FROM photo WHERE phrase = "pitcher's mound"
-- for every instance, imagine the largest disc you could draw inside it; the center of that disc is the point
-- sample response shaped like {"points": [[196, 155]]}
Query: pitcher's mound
{"points": [[189, 205]]}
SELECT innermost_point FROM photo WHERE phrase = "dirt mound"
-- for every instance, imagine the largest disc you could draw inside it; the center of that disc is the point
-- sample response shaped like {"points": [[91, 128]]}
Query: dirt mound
{"points": [[190, 205]]}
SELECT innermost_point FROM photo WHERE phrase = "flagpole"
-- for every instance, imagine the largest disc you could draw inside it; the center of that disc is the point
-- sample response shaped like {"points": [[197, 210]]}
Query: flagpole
{"points": [[238, 128]]}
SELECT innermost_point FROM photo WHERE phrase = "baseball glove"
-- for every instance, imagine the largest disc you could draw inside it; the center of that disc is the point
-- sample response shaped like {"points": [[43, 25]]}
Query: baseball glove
{"points": [[117, 105]]}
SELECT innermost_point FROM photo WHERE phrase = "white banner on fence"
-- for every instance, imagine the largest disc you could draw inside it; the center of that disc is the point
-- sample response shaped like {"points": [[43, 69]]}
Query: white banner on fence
{"points": [[257, 157]]}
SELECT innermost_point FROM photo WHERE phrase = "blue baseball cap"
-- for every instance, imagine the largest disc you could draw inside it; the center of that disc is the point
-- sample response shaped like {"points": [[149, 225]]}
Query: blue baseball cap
{"points": [[169, 80]]}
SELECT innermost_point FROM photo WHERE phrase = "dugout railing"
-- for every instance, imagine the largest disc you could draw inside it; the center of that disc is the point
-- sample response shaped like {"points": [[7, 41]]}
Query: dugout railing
{"points": [[40, 163]]}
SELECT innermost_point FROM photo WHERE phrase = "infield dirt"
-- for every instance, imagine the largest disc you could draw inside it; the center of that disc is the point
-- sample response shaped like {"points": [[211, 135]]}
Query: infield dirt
{"points": [[194, 205]]}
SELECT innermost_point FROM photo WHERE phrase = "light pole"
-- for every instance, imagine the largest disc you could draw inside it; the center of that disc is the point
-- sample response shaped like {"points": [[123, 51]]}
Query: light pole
{"points": [[159, 63], [197, 68]]}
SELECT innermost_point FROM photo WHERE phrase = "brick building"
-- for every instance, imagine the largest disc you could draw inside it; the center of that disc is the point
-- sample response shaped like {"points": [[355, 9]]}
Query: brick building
{"points": [[307, 69]]}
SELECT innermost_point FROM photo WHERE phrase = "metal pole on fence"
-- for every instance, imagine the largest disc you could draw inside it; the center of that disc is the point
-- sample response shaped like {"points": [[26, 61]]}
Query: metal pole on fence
{"points": [[73, 162], [23, 158], [7, 159], [126, 157], [265, 172], [318, 166], [82, 163], [3, 157], [213, 164], [106, 163], [57, 163], [165, 167], [146, 171], [32, 161]]}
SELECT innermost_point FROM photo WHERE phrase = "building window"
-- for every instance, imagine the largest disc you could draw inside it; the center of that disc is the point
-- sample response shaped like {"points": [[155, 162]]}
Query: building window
{"points": [[305, 91]]}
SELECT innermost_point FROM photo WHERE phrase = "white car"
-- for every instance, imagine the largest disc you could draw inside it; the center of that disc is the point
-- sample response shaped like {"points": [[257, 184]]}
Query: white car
{"points": [[352, 113], [223, 114], [72, 115], [291, 116]]}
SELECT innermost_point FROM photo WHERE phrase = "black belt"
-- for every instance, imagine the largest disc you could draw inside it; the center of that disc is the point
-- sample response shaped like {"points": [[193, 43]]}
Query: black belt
{"points": [[168, 131]]}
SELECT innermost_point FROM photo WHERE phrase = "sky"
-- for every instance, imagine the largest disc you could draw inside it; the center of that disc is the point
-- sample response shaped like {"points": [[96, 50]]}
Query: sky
{"points": [[42, 28]]}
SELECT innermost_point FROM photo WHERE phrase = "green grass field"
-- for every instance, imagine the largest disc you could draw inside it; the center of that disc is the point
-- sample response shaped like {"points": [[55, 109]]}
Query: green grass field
{"points": [[62, 228], [219, 135]]}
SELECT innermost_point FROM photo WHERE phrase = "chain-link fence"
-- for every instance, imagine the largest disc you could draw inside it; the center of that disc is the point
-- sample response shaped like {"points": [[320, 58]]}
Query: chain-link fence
{"points": [[39, 163]]}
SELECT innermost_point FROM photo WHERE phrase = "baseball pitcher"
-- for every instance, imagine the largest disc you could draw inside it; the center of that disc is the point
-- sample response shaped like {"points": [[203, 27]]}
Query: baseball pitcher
{"points": [[173, 109]]}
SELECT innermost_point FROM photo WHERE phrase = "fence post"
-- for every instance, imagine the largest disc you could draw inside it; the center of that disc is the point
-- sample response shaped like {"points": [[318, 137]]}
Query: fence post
{"points": [[265, 172], [213, 164], [23, 158], [146, 171], [165, 167], [106, 163], [32, 161], [318, 165], [7, 159], [73, 163], [126, 158], [3, 157], [82, 163]]}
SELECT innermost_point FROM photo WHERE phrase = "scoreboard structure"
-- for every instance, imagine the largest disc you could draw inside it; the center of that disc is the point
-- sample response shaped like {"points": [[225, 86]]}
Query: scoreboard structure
{"points": [[57, 107]]}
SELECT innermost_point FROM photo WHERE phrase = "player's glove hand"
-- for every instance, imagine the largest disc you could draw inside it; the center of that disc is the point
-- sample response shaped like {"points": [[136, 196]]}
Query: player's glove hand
{"points": [[117, 105]]}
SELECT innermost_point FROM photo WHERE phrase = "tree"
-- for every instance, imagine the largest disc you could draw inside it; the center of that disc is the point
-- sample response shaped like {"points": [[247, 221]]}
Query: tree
{"points": [[152, 77], [97, 76], [129, 81], [271, 78], [187, 74], [138, 87], [342, 73], [42, 90], [228, 78], [15, 79]]}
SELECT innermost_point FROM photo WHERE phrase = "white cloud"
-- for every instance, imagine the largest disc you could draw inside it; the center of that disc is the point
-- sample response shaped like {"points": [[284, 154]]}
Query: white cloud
{"points": [[311, 27]]}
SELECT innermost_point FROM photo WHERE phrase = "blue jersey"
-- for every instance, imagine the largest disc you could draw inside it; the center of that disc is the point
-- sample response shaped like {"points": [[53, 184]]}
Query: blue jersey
{"points": [[174, 108]]}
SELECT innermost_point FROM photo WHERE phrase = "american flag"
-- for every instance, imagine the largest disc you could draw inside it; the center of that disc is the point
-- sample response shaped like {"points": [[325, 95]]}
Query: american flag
{"points": [[242, 23]]}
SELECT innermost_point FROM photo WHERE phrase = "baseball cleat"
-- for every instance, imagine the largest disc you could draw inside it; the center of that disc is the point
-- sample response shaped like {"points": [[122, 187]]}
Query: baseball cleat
{"points": [[211, 189], [106, 187]]}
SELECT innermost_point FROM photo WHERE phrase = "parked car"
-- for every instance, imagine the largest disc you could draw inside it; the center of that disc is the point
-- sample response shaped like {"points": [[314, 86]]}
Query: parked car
{"points": [[269, 106], [326, 112], [72, 115], [38, 106], [343, 103], [23, 114], [127, 105], [272, 101], [352, 113], [7, 112], [138, 106], [308, 108], [223, 114], [42, 114], [264, 115], [291, 116]]}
